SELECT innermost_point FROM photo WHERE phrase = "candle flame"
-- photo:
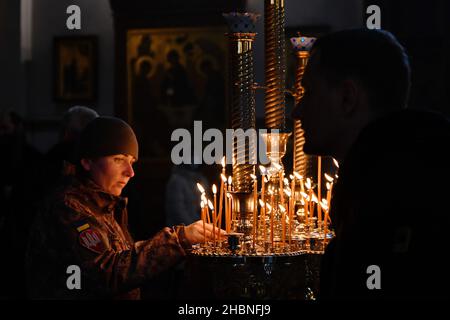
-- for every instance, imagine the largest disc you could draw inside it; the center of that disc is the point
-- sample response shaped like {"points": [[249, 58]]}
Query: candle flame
{"points": [[330, 179], [269, 207], [336, 176], [287, 192], [200, 188], [314, 198], [224, 178], [308, 183], [223, 162], [323, 205], [336, 163], [270, 191], [291, 177], [204, 198], [286, 181], [302, 202], [324, 201], [253, 176], [228, 195], [202, 204], [298, 175], [210, 205], [263, 170], [230, 180], [304, 195], [214, 189], [277, 166], [328, 186], [261, 203], [283, 209]]}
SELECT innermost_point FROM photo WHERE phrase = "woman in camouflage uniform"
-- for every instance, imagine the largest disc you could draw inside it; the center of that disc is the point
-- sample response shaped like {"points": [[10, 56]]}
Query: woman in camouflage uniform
{"points": [[84, 224]]}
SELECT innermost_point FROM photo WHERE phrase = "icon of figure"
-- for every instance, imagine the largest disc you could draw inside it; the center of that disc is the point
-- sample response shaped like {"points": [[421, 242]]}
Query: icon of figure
{"points": [[145, 102], [145, 46], [76, 73], [212, 103], [176, 90], [71, 78]]}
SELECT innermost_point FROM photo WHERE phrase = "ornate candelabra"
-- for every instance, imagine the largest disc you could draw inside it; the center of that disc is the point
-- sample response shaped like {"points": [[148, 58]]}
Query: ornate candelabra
{"points": [[284, 236]]}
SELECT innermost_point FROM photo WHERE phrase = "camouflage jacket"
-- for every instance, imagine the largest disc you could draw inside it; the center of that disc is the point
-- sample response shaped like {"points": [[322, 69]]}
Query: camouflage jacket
{"points": [[84, 226]]}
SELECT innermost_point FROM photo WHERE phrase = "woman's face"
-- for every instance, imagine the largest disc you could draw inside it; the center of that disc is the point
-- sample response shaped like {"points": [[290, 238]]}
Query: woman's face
{"points": [[111, 173]]}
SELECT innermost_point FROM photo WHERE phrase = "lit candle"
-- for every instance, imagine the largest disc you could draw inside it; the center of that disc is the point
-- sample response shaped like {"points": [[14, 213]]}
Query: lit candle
{"points": [[302, 203], [211, 206], [270, 208], [229, 212], [225, 198], [291, 207], [214, 190], [292, 198], [313, 202], [305, 205], [255, 205], [230, 182], [336, 163], [308, 186], [281, 192], [319, 188], [223, 163], [202, 205], [287, 204], [263, 195], [272, 213], [324, 205], [263, 219], [329, 189], [205, 201], [208, 219], [200, 188], [300, 177], [283, 224], [223, 184]]}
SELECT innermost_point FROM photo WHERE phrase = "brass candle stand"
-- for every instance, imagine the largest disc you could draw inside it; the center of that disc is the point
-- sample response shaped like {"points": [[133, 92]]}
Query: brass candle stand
{"points": [[274, 238]]}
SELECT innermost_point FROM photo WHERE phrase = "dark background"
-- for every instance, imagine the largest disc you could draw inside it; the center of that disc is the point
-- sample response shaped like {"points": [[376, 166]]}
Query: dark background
{"points": [[26, 85]]}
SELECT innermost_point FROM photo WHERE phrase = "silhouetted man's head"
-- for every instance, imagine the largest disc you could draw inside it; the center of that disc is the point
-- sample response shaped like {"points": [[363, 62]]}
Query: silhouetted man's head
{"points": [[352, 78]]}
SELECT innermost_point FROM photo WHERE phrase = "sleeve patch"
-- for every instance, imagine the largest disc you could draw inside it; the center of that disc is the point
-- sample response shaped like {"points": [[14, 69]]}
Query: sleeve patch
{"points": [[91, 240]]}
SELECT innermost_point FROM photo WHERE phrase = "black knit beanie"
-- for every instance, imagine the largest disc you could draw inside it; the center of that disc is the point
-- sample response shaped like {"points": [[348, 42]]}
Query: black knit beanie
{"points": [[106, 136]]}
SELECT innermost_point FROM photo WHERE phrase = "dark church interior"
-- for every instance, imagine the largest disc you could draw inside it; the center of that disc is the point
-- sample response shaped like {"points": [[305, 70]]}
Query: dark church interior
{"points": [[160, 66]]}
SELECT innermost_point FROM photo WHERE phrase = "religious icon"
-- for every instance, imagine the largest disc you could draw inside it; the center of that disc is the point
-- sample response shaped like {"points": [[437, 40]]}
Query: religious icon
{"points": [[175, 76], [75, 69]]}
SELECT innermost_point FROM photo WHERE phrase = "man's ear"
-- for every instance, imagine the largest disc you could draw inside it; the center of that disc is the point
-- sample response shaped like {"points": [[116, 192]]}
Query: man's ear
{"points": [[350, 96], [86, 164]]}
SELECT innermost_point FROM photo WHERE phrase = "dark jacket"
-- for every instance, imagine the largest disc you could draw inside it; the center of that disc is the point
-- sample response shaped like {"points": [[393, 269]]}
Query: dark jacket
{"points": [[84, 226], [390, 209]]}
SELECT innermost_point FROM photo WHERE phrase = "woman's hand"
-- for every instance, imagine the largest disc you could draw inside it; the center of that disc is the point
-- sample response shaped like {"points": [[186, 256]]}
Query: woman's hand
{"points": [[194, 232]]}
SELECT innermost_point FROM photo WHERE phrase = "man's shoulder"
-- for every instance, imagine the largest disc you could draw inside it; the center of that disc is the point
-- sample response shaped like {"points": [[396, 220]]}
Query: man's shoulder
{"points": [[403, 131], [412, 122]]}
